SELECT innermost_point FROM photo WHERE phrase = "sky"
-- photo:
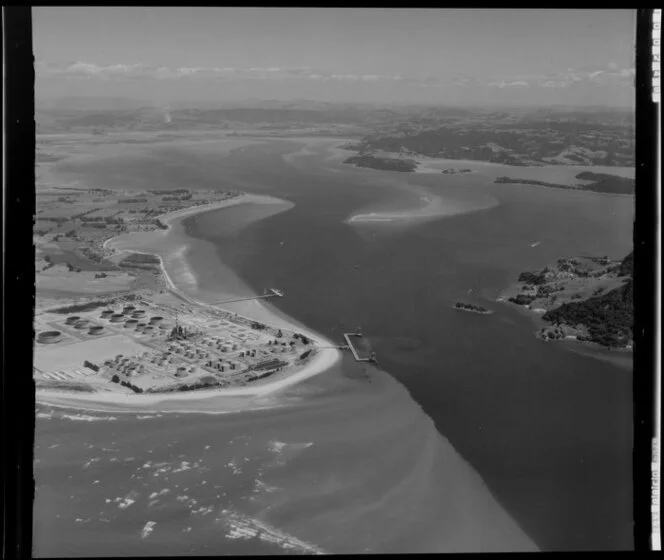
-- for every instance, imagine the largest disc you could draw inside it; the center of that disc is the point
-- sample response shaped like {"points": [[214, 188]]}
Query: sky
{"points": [[400, 56]]}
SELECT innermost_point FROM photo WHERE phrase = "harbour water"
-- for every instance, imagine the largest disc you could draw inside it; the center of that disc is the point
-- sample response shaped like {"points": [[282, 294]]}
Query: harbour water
{"points": [[548, 430]]}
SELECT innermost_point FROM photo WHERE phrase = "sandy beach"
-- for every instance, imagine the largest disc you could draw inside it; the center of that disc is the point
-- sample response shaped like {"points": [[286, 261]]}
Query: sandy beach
{"points": [[170, 242]]}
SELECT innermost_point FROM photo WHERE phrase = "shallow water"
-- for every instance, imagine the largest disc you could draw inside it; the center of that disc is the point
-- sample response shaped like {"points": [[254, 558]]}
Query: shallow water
{"points": [[548, 430], [351, 464]]}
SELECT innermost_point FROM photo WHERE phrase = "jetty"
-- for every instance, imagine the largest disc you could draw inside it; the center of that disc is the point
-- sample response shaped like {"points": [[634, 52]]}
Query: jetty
{"points": [[272, 292], [355, 348]]}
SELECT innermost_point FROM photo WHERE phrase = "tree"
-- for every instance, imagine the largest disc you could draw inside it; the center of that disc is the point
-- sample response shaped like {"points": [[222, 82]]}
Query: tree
{"points": [[115, 378]]}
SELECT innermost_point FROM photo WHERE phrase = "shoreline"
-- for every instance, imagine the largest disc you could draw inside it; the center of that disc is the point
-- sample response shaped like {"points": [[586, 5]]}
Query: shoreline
{"points": [[586, 348], [324, 359]]}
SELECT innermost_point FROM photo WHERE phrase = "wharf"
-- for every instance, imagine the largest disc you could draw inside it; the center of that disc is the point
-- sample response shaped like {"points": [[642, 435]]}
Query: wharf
{"points": [[356, 354]]}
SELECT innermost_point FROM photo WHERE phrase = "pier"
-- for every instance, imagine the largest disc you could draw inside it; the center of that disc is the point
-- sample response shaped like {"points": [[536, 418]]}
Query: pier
{"points": [[353, 348], [272, 292]]}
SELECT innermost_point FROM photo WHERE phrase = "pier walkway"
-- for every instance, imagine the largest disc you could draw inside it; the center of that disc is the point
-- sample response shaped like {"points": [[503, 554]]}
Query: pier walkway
{"points": [[272, 293]]}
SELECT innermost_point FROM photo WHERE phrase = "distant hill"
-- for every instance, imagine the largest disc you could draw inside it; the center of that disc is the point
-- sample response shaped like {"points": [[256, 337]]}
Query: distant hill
{"points": [[90, 104], [509, 136], [521, 137], [262, 114]]}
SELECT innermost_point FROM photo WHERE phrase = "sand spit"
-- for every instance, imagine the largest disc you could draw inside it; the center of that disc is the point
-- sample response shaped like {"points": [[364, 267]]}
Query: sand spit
{"points": [[435, 207], [212, 401], [127, 241]]}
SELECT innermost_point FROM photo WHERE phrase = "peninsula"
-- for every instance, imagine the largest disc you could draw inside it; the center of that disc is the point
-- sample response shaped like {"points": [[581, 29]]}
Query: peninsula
{"points": [[593, 182], [589, 299], [129, 338]]}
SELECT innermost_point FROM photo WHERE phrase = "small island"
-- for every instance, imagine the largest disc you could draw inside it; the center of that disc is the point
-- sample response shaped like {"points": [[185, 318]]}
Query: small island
{"points": [[471, 308], [455, 171], [383, 163], [511, 181]]}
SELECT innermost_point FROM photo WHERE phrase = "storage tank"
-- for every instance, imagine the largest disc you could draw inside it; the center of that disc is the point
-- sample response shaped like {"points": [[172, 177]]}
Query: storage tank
{"points": [[96, 330], [82, 324], [156, 319], [117, 318], [138, 314], [128, 309], [49, 337], [106, 313], [131, 323], [72, 319]]}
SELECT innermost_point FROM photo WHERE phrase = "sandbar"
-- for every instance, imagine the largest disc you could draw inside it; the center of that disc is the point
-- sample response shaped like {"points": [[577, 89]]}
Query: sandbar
{"points": [[435, 206]]}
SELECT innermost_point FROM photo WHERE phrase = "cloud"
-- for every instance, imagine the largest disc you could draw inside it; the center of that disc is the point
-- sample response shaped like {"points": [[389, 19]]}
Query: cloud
{"points": [[135, 71], [555, 84], [464, 80], [608, 75], [504, 84]]}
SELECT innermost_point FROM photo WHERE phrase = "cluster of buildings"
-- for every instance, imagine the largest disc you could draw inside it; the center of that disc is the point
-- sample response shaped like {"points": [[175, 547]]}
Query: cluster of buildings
{"points": [[156, 346]]}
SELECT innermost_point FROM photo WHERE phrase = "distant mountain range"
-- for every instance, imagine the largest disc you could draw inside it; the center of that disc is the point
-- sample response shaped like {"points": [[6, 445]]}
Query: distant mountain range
{"points": [[524, 136], [90, 104]]}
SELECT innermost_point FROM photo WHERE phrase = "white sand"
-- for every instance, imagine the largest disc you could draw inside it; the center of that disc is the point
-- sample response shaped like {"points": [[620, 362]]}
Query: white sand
{"points": [[436, 207]]}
